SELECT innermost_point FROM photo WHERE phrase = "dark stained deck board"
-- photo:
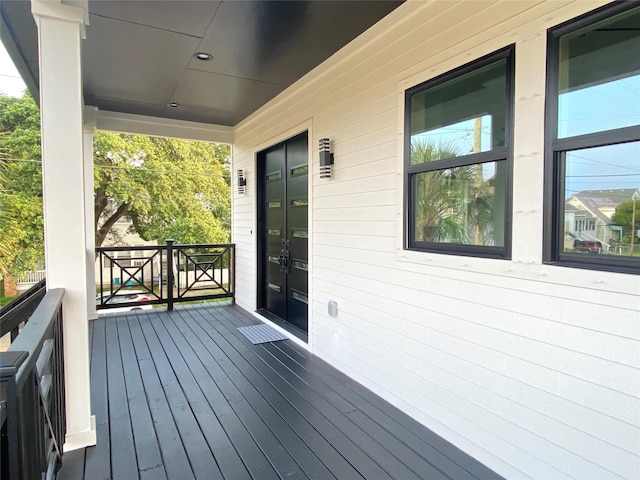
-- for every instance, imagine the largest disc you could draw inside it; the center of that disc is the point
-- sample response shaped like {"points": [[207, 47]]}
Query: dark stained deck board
{"points": [[183, 395], [337, 387], [248, 452], [388, 456], [124, 463], [195, 444], [147, 450], [98, 460], [174, 456], [263, 421], [358, 401], [229, 462], [317, 411], [443, 454], [323, 450]]}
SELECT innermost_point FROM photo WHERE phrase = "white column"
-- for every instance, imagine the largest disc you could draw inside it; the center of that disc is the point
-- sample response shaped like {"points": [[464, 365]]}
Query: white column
{"points": [[90, 116], [60, 28]]}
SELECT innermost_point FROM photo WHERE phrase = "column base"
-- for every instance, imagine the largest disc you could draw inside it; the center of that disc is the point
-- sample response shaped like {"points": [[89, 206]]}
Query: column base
{"points": [[74, 441]]}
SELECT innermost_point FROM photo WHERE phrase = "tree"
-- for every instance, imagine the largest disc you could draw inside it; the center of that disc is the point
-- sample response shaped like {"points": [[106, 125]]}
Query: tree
{"points": [[452, 205], [167, 188], [21, 224], [623, 215]]}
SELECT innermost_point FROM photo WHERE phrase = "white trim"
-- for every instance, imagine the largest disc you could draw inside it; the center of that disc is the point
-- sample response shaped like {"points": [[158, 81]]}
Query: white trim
{"points": [[88, 130], [277, 327], [78, 440], [54, 9], [162, 127]]}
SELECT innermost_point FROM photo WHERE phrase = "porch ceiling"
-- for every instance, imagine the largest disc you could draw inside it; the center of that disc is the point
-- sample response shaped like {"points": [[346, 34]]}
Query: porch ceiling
{"points": [[138, 56]]}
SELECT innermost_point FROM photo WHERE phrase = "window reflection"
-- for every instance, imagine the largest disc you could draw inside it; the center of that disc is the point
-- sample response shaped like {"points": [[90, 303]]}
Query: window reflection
{"points": [[599, 77], [602, 191], [460, 205]]}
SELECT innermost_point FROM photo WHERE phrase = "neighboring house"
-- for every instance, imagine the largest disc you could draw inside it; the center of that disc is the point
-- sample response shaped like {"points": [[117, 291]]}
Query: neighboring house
{"points": [[122, 234], [442, 282], [589, 213]]}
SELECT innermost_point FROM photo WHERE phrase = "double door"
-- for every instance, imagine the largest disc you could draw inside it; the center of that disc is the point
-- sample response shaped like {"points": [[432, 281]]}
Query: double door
{"points": [[283, 231]]}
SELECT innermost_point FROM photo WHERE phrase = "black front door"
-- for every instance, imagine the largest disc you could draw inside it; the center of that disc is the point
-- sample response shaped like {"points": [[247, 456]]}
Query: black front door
{"points": [[283, 231]]}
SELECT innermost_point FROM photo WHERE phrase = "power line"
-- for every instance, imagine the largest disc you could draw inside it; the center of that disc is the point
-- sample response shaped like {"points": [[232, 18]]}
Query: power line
{"points": [[137, 169]]}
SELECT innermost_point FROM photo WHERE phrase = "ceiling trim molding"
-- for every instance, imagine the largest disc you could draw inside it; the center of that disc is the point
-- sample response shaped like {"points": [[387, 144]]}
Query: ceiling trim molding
{"points": [[69, 13], [162, 127]]}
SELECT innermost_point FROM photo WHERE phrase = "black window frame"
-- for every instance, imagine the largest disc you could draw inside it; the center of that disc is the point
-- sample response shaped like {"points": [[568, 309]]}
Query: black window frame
{"points": [[504, 153], [554, 171]]}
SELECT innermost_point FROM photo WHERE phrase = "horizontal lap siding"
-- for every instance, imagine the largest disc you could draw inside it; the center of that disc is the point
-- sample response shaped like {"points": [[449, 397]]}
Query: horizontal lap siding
{"points": [[532, 369]]}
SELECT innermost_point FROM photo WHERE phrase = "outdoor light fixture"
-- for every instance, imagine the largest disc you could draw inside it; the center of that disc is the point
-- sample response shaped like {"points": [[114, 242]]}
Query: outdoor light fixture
{"points": [[326, 158], [173, 105], [242, 182], [203, 56]]}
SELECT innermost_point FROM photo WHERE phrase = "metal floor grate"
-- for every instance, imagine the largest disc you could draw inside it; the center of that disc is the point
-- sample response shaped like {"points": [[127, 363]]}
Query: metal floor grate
{"points": [[261, 334]]}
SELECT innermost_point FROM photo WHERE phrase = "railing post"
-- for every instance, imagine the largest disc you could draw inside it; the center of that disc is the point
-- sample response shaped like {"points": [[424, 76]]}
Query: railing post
{"points": [[169, 275], [232, 268], [9, 365]]}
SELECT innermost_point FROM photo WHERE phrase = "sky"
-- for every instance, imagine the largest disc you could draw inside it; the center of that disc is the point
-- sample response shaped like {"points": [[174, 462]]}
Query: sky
{"points": [[10, 82]]}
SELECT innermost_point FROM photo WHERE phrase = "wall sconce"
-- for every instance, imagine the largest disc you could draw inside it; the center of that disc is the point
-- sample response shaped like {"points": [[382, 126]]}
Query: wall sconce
{"points": [[242, 182], [326, 158]]}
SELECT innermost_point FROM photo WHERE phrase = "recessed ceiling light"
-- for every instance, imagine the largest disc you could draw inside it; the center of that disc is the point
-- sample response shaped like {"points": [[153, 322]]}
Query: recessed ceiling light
{"points": [[173, 105], [205, 57]]}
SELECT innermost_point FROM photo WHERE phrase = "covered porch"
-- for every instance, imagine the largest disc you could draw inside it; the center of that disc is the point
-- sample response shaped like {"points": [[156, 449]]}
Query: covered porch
{"points": [[184, 394]]}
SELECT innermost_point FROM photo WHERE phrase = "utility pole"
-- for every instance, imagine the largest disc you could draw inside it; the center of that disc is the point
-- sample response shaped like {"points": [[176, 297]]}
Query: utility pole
{"points": [[633, 221]]}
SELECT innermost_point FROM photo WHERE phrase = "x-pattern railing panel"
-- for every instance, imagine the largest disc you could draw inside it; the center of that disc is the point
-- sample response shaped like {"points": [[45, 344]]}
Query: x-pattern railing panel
{"points": [[165, 273]]}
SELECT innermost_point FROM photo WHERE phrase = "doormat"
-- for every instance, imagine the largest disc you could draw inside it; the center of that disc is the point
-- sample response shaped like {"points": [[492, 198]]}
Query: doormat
{"points": [[261, 334]]}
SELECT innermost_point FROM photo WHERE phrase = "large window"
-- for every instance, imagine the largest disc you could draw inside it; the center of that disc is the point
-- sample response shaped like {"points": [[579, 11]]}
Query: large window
{"points": [[457, 159], [593, 158]]}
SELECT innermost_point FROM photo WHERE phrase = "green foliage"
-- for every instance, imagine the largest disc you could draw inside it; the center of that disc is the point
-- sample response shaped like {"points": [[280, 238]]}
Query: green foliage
{"points": [[451, 205], [21, 225], [623, 216], [167, 188]]}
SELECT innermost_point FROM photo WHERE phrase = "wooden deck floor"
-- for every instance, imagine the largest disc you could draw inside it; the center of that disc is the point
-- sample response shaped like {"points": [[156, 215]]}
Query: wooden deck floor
{"points": [[184, 395]]}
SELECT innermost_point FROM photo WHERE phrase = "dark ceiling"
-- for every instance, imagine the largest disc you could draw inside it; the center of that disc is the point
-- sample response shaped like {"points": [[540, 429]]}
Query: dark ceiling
{"points": [[138, 56]]}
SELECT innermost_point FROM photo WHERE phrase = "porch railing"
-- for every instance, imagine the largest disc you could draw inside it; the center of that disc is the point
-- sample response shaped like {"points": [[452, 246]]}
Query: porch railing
{"points": [[164, 274], [32, 395], [31, 277], [18, 311]]}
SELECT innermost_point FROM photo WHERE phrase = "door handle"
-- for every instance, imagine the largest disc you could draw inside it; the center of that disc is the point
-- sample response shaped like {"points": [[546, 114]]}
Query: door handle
{"points": [[283, 259]]}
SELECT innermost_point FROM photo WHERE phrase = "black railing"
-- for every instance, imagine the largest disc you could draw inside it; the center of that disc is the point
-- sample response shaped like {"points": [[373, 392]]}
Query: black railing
{"points": [[18, 311], [164, 274], [32, 397]]}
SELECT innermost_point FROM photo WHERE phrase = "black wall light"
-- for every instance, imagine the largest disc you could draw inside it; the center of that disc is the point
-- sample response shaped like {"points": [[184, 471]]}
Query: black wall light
{"points": [[326, 158], [242, 182]]}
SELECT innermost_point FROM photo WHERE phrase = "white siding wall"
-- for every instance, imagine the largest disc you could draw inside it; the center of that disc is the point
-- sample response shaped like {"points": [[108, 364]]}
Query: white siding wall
{"points": [[532, 369]]}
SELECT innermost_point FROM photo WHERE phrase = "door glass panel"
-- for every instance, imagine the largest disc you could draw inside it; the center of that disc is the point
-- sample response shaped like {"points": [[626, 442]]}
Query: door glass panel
{"points": [[275, 204], [300, 265], [299, 296], [273, 259], [299, 233], [273, 176], [274, 286], [302, 170], [300, 202], [275, 231]]}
